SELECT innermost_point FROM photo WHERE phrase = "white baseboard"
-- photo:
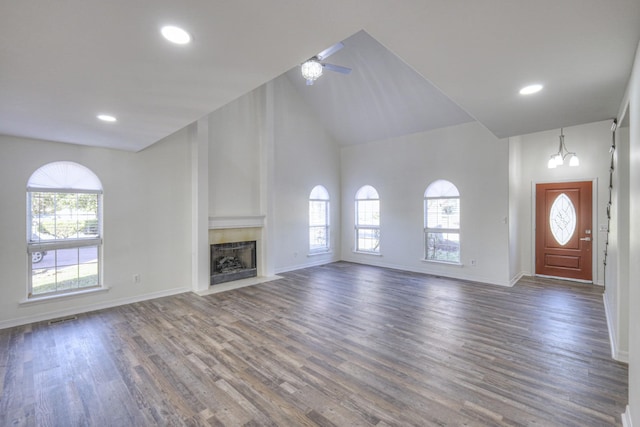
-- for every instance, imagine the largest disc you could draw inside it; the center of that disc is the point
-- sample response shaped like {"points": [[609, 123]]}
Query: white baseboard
{"points": [[456, 272], [626, 418], [314, 263], [517, 277], [87, 308], [616, 353]]}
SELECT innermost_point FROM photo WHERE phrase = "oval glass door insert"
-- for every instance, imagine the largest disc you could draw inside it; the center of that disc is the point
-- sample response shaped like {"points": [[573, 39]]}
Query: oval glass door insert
{"points": [[562, 219]]}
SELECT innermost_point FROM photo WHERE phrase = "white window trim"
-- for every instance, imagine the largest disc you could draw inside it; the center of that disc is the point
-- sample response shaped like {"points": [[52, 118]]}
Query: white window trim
{"points": [[71, 243]]}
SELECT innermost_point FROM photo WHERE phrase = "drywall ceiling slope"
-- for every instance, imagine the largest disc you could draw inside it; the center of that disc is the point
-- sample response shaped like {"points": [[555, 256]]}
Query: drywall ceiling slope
{"points": [[481, 53], [381, 98], [61, 63]]}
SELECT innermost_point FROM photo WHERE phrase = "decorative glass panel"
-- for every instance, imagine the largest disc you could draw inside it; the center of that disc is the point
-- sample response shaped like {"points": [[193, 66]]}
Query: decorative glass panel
{"points": [[562, 219]]}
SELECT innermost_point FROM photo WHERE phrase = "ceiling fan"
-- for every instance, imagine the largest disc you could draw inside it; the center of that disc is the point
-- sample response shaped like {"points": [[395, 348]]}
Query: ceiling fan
{"points": [[312, 68]]}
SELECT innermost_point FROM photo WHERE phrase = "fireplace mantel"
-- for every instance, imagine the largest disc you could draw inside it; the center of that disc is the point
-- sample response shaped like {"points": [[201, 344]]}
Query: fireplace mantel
{"points": [[224, 222]]}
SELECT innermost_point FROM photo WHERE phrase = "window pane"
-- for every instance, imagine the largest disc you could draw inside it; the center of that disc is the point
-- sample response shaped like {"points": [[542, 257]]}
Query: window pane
{"points": [[319, 193], [443, 247], [443, 213], [367, 192], [59, 216], [64, 269], [318, 238], [441, 188], [368, 240], [317, 213], [368, 212]]}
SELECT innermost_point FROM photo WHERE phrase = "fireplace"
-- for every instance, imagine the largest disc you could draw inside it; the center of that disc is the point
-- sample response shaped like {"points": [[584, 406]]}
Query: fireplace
{"points": [[233, 261]]}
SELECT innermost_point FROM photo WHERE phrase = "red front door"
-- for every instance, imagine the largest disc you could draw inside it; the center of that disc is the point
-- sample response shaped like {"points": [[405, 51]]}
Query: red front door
{"points": [[563, 230]]}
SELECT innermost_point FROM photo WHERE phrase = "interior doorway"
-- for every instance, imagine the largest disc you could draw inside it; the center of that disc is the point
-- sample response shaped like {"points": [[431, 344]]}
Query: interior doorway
{"points": [[564, 236]]}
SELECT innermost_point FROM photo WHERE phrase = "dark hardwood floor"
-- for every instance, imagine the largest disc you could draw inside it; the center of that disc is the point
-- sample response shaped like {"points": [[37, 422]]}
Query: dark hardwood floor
{"points": [[342, 344]]}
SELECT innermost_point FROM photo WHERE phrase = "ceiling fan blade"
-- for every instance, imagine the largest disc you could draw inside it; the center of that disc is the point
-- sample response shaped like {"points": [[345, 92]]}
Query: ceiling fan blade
{"points": [[336, 68], [330, 51]]}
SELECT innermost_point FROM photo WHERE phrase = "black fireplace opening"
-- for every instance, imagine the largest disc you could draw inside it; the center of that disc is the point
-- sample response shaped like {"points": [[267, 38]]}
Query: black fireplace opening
{"points": [[233, 261]]}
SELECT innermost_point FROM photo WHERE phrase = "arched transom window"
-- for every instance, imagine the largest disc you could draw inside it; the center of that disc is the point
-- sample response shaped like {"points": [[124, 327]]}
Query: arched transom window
{"points": [[64, 229], [442, 222]]}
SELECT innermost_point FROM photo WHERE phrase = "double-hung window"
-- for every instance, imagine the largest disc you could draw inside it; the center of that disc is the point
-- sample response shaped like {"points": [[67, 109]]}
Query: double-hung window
{"points": [[442, 222], [319, 220], [367, 221], [64, 229]]}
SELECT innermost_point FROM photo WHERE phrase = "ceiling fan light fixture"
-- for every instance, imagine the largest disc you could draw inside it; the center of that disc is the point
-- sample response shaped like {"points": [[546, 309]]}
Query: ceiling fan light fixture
{"points": [[311, 70]]}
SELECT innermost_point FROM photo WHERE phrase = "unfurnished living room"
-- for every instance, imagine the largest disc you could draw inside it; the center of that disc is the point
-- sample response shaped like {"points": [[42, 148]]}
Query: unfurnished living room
{"points": [[337, 213]]}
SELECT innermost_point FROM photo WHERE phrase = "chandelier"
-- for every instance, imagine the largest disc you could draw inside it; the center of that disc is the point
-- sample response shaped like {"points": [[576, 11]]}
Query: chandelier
{"points": [[311, 70], [557, 159]]}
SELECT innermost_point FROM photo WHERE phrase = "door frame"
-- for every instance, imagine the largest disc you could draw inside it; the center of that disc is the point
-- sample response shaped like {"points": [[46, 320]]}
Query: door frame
{"points": [[594, 227]]}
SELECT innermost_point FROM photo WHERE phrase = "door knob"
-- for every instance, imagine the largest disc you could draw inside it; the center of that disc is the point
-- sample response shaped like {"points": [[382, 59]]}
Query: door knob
{"points": [[586, 239]]}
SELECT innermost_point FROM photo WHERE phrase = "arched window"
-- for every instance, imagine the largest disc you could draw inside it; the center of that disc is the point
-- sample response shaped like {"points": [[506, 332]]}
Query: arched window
{"points": [[442, 222], [64, 240], [367, 220], [319, 220]]}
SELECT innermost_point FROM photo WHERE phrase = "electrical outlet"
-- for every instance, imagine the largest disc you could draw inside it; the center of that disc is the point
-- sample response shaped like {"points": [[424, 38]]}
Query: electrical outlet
{"points": [[136, 278]]}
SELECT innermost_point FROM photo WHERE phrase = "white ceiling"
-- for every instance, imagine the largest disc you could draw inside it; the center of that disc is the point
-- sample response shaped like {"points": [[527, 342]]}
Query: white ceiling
{"points": [[382, 97], [63, 62]]}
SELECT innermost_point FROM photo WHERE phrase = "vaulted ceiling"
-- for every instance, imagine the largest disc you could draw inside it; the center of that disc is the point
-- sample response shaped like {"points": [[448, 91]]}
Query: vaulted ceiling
{"points": [[62, 63]]}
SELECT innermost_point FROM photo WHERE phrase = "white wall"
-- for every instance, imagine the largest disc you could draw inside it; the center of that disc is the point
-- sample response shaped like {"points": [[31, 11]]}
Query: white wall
{"points": [[516, 218], [591, 142], [401, 169], [305, 156], [236, 132], [146, 223], [634, 243], [616, 296]]}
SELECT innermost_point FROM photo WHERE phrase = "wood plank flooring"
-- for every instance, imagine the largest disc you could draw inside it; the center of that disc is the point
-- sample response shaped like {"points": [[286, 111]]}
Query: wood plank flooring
{"points": [[337, 345]]}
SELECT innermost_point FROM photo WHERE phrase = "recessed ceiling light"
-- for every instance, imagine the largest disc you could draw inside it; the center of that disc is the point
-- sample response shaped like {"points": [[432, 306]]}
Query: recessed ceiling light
{"points": [[528, 90], [106, 118], [175, 34]]}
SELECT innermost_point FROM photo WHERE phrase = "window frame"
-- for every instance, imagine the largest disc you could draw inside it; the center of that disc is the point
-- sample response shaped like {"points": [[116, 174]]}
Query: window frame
{"points": [[451, 193], [52, 246], [367, 191], [320, 195]]}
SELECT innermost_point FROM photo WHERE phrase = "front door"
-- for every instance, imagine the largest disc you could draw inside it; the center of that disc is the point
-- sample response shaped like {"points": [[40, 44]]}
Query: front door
{"points": [[563, 230]]}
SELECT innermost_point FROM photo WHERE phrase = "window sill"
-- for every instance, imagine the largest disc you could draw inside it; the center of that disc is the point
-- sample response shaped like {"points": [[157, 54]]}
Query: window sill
{"points": [[433, 261], [56, 297], [312, 254], [368, 253]]}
